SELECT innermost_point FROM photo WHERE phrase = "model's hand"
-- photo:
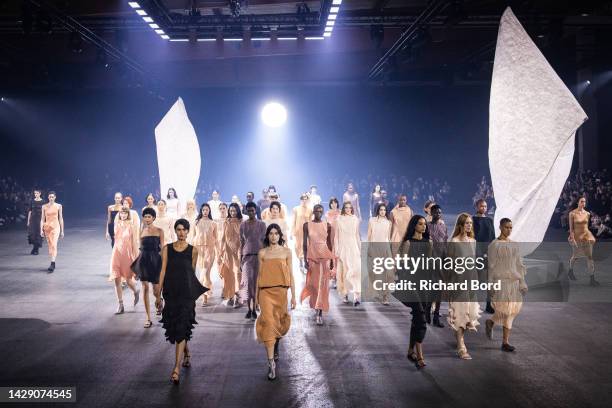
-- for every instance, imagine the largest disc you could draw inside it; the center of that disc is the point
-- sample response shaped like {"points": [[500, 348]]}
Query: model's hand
{"points": [[523, 288], [62, 234], [42, 233], [306, 263], [107, 235], [293, 304]]}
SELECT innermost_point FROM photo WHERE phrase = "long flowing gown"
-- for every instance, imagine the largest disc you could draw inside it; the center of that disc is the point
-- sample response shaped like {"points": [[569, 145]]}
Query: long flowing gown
{"points": [[35, 209], [347, 248], [166, 224], [51, 227], [206, 242], [230, 257], [123, 254], [180, 290], [319, 256], [463, 306], [252, 235], [379, 247], [172, 208]]}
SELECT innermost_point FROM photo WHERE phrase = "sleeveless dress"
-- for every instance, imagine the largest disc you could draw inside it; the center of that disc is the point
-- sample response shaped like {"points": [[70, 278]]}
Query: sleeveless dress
{"points": [[180, 291], [319, 255], [147, 266], [583, 236], [51, 228], [123, 251], [348, 250], [34, 237], [272, 283]]}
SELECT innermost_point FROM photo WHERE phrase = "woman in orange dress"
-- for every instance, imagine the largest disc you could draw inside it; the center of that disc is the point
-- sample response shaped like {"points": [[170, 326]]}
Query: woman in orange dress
{"points": [[318, 254], [205, 242], [230, 256], [52, 226], [581, 239], [331, 217], [273, 280], [125, 251]]}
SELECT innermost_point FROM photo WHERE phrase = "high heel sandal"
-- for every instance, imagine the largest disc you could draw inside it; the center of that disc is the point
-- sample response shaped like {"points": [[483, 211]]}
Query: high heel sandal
{"points": [[186, 361], [175, 377], [420, 363], [148, 324], [463, 354], [412, 356]]}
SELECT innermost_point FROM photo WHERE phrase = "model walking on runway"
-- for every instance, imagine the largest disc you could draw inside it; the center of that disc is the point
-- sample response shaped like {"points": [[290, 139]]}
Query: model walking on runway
{"points": [[34, 217], [350, 195], [438, 232], [274, 278], [215, 204], [173, 205], [463, 307], [379, 246], [301, 215], [581, 239], [165, 222], [506, 266], [230, 256], [274, 217], [400, 217], [124, 254], [331, 216], [111, 212], [151, 202], [180, 288], [206, 242], [252, 234], [375, 199], [319, 256], [347, 248], [484, 233], [416, 243], [147, 266], [52, 226], [190, 214]]}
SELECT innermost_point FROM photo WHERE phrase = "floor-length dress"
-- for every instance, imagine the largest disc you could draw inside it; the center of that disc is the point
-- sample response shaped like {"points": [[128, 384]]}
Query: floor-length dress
{"points": [[379, 246], [252, 235], [301, 215], [172, 208], [319, 256], [272, 283], [400, 217], [51, 227], [347, 247], [35, 209], [230, 258], [206, 242], [123, 254], [506, 266], [147, 265], [181, 288], [463, 306]]}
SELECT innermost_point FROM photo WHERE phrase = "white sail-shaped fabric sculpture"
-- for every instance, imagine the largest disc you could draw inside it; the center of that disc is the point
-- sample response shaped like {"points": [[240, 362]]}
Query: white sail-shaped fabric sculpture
{"points": [[533, 118], [178, 153]]}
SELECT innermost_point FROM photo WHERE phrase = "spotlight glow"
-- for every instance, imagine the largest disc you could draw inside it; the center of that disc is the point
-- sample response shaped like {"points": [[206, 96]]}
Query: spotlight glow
{"points": [[134, 4], [274, 114]]}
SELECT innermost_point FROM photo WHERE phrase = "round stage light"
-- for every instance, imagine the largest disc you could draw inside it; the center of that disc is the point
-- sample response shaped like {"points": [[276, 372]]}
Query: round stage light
{"points": [[274, 114]]}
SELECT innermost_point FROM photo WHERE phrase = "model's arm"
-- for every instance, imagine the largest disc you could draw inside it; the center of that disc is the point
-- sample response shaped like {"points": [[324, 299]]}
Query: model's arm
{"points": [[305, 244], [108, 220], [242, 237], [357, 209], [29, 215], [571, 226], [522, 271], [370, 230], [61, 219], [194, 258], [42, 220], [260, 259], [161, 237], [162, 275], [289, 263], [392, 219], [330, 243]]}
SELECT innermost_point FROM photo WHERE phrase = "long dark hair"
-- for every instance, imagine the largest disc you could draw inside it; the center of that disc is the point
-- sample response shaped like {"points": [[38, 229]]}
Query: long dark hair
{"points": [[168, 193], [238, 212], [378, 206], [412, 228], [281, 239], [577, 200], [199, 217]]}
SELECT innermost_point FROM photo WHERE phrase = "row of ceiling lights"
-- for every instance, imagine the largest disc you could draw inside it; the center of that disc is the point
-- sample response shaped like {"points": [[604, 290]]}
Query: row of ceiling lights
{"points": [[329, 26]]}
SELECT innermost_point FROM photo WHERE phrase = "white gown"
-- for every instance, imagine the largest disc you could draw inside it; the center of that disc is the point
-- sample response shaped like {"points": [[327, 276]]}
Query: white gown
{"points": [[347, 247]]}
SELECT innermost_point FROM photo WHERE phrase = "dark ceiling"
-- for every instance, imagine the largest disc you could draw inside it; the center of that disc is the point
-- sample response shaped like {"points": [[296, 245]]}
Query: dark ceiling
{"points": [[65, 44]]}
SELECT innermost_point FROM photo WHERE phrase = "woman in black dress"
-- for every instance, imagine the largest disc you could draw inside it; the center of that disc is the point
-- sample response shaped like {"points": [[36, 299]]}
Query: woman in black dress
{"points": [[147, 266], [34, 217], [111, 212], [180, 289], [415, 244]]}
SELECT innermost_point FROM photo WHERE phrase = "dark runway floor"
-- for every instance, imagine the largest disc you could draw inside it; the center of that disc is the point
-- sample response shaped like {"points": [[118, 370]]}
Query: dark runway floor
{"points": [[59, 329]]}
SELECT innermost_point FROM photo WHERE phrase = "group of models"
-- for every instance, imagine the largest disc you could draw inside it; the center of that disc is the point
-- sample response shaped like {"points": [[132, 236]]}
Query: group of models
{"points": [[248, 245]]}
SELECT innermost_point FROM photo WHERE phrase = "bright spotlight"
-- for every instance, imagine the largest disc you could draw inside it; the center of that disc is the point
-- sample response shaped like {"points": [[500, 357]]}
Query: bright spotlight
{"points": [[274, 114], [588, 82]]}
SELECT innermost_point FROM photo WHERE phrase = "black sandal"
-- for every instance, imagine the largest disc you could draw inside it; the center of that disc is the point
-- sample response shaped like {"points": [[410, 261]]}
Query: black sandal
{"points": [[175, 377], [420, 363], [412, 357], [186, 362], [148, 324]]}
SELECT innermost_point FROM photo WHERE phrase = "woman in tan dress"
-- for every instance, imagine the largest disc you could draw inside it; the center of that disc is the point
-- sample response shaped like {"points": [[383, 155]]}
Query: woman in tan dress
{"points": [[301, 215], [273, 280], [205, 241], [52, 226], [230, 256], [581, 239], [505, 266]]}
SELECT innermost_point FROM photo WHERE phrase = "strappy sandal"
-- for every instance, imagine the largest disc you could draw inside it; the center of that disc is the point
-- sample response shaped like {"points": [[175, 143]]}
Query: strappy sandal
{"points": [[148, 324], [463, 354], [175, 377], [420, 363], [186, 362], [412, 357]]}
